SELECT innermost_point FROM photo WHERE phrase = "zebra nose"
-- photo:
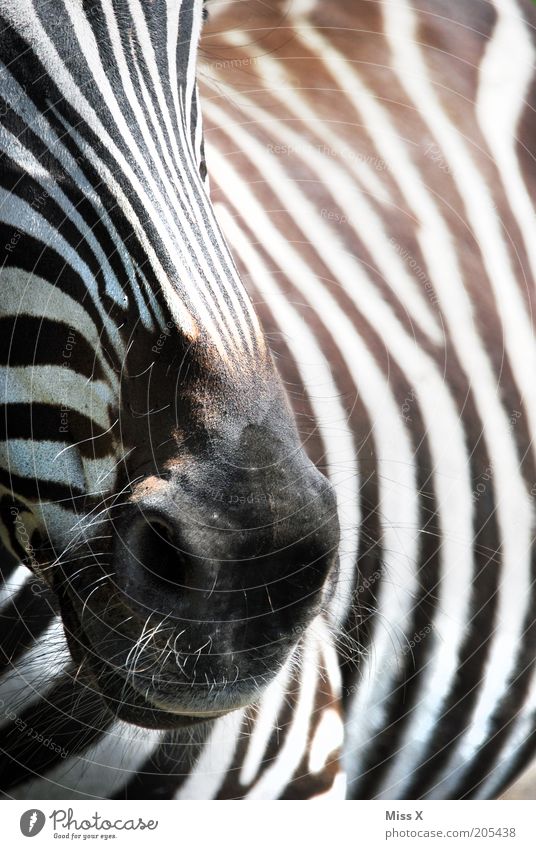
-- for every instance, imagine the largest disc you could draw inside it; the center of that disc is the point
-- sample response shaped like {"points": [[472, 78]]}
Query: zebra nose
{"points": [[180, 562]]}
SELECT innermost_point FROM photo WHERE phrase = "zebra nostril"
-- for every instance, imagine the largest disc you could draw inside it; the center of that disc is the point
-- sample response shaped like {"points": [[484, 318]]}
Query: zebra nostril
{"points": [[154, 545]]}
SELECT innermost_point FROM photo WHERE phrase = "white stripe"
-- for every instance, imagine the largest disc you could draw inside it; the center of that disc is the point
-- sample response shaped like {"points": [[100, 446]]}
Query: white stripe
{"points": [[172, 30], [208, 774], [60, 462], [100, 771], [263, 726], [276, 777], [325, 636], [40, 460], [12, 585], [503, 87], [327, 740], [300, 8], [36, 672]]}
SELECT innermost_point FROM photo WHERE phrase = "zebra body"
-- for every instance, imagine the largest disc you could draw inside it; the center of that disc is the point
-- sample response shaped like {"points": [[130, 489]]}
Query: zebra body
{"points": [[386, 252], [138, 387], [372, 167]]}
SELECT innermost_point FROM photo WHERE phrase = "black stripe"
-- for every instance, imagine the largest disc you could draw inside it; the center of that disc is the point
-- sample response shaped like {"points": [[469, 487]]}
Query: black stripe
{"points": [[40, 422], [70, 717], [10, 508], [27, 340], [165, 770], [23, 620], [35, 489]]}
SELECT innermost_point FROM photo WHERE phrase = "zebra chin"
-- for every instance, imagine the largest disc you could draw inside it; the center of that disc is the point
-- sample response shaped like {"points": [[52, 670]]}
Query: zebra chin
{"points": [[172, 689], [192, 612]]}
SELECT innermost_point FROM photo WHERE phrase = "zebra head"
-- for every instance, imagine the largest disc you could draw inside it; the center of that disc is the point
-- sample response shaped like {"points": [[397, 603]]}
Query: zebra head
{"points": [[152, 473]]}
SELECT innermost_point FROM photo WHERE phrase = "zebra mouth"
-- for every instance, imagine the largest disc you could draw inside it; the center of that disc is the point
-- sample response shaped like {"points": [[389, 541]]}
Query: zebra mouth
{"points": [[155, 707]]}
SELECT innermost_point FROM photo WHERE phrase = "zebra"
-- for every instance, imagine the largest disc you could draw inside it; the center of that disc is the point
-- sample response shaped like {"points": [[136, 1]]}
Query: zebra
{"points": [[388, 679], [168, 548]]}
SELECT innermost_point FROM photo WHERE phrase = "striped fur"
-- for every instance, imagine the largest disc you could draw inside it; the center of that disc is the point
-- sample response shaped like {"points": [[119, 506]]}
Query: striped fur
{"points": [[128, 345], [375, 186], [372, 167]]}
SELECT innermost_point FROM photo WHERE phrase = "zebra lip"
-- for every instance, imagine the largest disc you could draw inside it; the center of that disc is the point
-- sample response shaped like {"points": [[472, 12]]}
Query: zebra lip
{"points": [[191, 714], [154, 702], [147, 708], [165, 702]]}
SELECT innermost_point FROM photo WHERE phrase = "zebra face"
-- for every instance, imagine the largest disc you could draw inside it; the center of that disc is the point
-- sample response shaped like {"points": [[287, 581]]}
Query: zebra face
{"points": [[150, 446]]}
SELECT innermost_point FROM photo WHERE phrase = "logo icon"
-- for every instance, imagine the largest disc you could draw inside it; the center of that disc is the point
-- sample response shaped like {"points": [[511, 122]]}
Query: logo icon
{"points": [[31, 822]]}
